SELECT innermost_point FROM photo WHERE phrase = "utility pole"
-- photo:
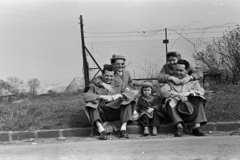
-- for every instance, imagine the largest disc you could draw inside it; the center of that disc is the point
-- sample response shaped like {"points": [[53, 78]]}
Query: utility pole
{"points": [[85, 64], [166, 41]]}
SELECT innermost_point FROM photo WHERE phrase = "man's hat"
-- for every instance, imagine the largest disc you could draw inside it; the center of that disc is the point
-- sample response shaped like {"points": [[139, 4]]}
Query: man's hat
{"points": [[187, 111], [117, 57]]}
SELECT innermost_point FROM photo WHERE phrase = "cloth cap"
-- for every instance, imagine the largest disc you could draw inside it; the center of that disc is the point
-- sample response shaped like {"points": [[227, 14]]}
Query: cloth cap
{"points": [[117, 57], [147, 84], [187, 111]]}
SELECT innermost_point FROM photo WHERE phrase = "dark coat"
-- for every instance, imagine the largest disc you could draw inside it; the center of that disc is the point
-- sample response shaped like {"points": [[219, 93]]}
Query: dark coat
{"points": [[154, 101]]}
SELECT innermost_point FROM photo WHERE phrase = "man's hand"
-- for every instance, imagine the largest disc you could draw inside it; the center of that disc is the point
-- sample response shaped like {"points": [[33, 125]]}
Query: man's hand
{"points": [[117, 96], [150, 110], [174, 94], [186, 79], [135, 115], [192, 93], [183, 98], [174, 80], [107, 98], [108, 87]]}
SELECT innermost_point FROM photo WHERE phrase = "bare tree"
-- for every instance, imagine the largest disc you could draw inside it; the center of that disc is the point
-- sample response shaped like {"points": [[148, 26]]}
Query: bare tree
{"points": [[33, 84], [4, 85], [14, 83]]}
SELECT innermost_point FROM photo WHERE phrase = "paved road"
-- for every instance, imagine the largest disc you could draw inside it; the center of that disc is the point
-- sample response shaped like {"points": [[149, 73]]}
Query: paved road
{"points": [[161, 147]]}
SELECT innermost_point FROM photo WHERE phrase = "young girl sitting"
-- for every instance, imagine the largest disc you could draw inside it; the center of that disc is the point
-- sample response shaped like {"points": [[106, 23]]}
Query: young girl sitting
{"points": [[149, 109]]}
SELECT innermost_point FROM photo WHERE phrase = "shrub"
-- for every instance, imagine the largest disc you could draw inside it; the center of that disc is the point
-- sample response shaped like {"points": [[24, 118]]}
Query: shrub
{"points": [[223, 56]]}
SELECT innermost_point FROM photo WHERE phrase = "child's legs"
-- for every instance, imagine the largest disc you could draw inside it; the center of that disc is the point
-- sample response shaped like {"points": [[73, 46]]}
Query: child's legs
{"points": [[144, 120], [156, 120]]}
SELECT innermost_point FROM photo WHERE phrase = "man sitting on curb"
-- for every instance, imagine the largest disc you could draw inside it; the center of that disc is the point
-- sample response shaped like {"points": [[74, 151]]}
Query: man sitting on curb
{"points": [[120, 74], [104, 106], [185, 102]]}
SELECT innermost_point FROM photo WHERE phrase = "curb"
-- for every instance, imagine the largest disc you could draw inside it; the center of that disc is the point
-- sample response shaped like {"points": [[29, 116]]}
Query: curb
{"points": [[131, 129]]}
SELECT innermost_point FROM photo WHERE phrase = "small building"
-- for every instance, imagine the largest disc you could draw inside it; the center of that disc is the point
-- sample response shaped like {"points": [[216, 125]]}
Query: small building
{"points": [[5, 95]]}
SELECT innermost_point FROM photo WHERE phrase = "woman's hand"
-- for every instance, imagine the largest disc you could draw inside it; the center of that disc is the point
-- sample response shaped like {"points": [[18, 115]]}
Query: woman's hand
{"points": [[174, 80]]}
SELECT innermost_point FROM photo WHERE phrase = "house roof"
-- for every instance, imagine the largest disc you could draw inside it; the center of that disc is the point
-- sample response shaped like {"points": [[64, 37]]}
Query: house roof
{"points": [[5, 93]]}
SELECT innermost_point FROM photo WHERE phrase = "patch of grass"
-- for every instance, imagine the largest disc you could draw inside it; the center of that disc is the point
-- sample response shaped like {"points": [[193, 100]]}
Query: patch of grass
{"points": [[223, 103], [44, 113], [66, 111]]}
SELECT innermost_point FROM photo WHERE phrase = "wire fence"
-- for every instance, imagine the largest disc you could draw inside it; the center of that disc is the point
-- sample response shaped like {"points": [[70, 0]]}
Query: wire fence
{"points": [[145, 51]]}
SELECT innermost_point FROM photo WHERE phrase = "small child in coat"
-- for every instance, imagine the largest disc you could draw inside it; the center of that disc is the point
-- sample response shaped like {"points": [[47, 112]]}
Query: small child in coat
{"points": [[149, 108]]}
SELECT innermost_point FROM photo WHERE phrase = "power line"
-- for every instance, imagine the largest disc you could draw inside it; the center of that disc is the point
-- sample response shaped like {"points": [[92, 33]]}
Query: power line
{"points": [[175, 28]]}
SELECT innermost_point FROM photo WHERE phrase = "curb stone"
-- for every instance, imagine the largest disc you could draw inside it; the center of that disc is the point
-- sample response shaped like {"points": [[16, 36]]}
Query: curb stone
{"points": [[131, 129]]}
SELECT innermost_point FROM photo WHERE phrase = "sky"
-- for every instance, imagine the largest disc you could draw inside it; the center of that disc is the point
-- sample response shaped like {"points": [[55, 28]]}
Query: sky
{"points": [[41, 38]]}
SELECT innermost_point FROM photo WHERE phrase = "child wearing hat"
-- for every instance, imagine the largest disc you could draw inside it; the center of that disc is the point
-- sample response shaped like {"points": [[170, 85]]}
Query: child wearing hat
{"points": [[149, 108]]}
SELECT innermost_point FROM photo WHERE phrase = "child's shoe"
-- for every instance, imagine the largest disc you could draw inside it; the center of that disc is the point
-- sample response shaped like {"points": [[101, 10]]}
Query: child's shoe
{"points": [[146, 131], [154, 131]]}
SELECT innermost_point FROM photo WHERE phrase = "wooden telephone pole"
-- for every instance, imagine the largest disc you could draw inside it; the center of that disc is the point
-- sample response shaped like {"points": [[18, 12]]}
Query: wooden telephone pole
{"points": [[85, 64]]}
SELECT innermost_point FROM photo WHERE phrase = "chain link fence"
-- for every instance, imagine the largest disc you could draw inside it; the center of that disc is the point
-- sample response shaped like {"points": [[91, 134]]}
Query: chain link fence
{"points": [[144, 58]]}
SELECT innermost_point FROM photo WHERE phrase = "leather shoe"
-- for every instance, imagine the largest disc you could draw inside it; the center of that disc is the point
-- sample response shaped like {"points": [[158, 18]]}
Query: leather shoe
{"points": [[103, 136], [123, 134], [146, 131], [154, 131], [179, 132], [198, 132]]}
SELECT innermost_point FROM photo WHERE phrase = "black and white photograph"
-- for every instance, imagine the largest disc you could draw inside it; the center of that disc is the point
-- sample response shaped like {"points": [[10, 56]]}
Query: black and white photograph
{"points": [[119, 80]]}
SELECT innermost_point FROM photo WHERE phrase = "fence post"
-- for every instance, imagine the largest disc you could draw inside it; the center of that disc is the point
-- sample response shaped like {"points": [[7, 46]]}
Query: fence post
{"points": [[85, 64], [166, 41]]}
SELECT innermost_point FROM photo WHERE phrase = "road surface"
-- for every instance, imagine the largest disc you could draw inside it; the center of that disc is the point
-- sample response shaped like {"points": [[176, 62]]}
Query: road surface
{"points": [[211, 147]]}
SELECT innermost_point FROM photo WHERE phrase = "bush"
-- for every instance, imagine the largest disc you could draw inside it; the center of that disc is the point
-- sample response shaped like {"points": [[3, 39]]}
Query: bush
{"points": [[223, 56]]}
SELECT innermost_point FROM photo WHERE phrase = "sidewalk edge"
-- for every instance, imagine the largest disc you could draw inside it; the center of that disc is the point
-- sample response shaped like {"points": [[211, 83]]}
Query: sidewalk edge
{"points": [[132, 129]]}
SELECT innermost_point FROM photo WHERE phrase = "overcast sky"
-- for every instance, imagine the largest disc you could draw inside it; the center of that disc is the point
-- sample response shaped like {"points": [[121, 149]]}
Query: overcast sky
{"points": [[41, 38]]}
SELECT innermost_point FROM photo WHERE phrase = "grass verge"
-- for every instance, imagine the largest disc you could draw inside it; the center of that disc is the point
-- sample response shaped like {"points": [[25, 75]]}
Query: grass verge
{"points": [[44, 113], [66, 111]]}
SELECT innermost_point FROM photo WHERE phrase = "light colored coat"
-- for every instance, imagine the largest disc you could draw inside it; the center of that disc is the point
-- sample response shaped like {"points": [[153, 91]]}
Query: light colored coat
{"points": [[125, 81], [168, 89], [94, 92]]}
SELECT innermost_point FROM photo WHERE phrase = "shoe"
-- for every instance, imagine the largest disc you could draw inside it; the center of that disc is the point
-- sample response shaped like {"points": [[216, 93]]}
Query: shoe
{"points": [[123, 135], [103, 136], [146, 131], [179, 132], [154, 131], [198, 132]]}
